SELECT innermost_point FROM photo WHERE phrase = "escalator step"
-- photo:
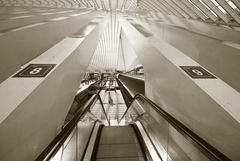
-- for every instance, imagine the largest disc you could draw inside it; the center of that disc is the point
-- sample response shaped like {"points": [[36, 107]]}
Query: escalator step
{"points": [[122, 159], [119, 150], [119, 143], [118, 134]]}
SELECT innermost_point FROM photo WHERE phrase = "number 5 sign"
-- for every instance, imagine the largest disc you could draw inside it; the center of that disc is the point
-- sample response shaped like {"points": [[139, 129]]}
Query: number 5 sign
{"points": [[197, 72], [35, 70]]}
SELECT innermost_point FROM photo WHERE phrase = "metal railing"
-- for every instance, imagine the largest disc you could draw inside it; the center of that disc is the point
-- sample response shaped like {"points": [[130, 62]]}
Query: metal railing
{"points": [[207, 149], [58, 141]]}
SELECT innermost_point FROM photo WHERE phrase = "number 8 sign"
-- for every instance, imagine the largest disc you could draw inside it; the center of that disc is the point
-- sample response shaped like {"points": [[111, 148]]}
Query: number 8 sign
{"points": [[35, 70], [197, 72]]}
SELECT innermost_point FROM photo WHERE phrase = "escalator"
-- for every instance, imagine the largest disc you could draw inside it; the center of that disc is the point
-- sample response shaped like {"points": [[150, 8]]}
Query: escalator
{"points": [[139, 130], [119, 143]]}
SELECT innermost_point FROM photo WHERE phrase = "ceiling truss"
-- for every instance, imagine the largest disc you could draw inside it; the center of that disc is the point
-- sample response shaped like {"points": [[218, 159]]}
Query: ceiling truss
{"points": [[223, 12]]}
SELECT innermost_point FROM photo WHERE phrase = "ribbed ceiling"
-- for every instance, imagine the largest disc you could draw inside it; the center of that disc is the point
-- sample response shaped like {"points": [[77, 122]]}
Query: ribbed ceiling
{"points": [[214, 11], [224, 12], [106, 55], [106, 5]]}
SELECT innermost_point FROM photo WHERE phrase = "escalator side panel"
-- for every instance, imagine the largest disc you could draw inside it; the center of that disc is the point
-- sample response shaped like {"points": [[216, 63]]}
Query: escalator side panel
{"points": [[90, 151], [74, 147]]}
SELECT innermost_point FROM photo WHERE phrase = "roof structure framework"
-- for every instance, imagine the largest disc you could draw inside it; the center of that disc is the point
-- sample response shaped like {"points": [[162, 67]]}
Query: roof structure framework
{"points": [[222, 12]]}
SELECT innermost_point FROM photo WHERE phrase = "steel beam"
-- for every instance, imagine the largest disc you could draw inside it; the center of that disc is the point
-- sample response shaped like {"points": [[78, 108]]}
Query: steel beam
{"points": [[217, 11], [194, 9], [173, 5], [229, 9], [204, 10], [185, 8]]}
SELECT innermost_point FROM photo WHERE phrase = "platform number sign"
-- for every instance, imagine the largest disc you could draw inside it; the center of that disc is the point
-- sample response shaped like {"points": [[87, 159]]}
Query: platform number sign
{"points": [[35, 70], [197, 72]]}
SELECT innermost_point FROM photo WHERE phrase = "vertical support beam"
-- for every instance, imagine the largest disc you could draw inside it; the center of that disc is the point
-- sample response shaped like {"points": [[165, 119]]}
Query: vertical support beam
{"points": [[28, 105]]}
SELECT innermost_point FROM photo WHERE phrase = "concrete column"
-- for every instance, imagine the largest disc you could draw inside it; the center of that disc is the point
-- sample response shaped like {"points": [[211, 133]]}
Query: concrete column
{"points": [[203, 105], [34, 108]]}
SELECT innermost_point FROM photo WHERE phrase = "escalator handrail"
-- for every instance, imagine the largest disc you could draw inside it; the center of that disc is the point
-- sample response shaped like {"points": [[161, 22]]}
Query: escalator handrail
{"points": [[58, 141], [196, 140]]}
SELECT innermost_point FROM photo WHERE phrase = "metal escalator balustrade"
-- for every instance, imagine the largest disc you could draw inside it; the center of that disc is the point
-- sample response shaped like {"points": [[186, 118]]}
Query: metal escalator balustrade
{"points": [[120, 143], [142, 109], [114, 143], [148, 133], [56, 144], [85, 138]]}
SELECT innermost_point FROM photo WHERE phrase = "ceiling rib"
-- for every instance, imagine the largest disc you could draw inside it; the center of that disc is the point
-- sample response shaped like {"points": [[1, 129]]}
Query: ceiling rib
{"points": [[205, 10], [217, 11], [186, 9], [176, 13], [173, 5], [229, 9], [237, 3], [164, 7], [226, 12], [161, 7], [194, 9]]}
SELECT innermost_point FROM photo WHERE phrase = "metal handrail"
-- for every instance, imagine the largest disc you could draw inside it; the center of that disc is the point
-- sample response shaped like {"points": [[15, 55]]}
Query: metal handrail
{"points": [[211, 152], [58, 141]]}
